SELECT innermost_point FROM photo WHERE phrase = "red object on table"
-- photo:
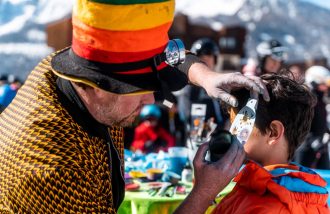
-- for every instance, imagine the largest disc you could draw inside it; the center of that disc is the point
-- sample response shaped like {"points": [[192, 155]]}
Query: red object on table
{"points": [[132, 187]]}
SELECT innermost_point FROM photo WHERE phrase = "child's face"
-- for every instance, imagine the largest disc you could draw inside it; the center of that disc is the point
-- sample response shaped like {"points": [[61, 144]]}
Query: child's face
{"points": [[255, 147], [153, 121]]}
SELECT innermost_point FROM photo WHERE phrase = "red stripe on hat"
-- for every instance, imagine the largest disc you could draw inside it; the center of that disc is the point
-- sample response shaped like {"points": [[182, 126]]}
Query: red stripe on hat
{"points": [[97, 55]]}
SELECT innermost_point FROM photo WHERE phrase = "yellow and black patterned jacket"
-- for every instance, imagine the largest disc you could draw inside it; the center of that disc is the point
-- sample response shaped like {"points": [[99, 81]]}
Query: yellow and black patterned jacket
{"points": [[49, 163]]}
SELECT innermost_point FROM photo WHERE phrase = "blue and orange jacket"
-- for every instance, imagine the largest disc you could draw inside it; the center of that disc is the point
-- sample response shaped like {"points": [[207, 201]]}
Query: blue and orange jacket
{"points": [[285, 188]]}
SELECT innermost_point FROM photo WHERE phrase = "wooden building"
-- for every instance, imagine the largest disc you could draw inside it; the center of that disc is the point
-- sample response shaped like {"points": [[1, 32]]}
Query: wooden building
{"points": [[230, 40]]}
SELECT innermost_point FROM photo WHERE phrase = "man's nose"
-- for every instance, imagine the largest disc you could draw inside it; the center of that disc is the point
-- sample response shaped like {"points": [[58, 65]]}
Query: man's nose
{"points": [[148, 98]]}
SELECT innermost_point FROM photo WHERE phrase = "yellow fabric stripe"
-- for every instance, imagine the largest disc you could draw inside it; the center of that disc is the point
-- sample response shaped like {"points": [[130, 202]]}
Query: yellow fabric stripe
{"points": [[124, 17], [125, 2]]}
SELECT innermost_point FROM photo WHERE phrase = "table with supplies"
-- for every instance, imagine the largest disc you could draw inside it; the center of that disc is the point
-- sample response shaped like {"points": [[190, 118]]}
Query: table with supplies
{"points": [[158, 182], [142, 202]]}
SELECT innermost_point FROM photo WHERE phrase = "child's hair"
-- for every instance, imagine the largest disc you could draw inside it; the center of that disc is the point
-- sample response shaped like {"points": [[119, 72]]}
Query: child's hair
{"points": [[290, 102]]}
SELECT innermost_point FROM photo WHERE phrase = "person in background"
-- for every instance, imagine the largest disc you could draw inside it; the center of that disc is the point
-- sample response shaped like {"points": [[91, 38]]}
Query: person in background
{"points": [[172, 122], [271, 55], [208, 52], [7, 94], [270, 182], [14, 82], [298, 73], [250, 67], [150, 135], [314, 152], [9, 84], [3, 79]]}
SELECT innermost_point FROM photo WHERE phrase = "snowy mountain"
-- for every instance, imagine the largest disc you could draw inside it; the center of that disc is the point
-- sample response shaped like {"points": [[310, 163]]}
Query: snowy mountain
{"points": [[302, 26], [22, 32]]}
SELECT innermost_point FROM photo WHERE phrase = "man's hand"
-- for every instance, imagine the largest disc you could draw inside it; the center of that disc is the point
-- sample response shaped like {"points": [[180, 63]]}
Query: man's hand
{"points": [[211, 178], [219, 85]]}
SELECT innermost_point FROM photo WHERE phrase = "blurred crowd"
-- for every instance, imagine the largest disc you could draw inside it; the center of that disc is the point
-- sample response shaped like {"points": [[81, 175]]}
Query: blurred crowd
{"points": [[9, 85], [159, 128]]}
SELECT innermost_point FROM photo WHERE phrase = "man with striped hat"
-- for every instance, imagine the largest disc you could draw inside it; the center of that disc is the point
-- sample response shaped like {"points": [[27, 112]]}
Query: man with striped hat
{"points": [[61, 142]]}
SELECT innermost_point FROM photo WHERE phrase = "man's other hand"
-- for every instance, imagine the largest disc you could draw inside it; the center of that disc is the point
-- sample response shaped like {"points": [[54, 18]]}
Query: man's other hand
{"points": [[219, 85], [211, 178]]}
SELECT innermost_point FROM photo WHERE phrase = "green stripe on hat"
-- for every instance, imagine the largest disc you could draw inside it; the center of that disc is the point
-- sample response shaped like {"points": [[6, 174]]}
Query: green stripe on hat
{"points": [[126, 2]]}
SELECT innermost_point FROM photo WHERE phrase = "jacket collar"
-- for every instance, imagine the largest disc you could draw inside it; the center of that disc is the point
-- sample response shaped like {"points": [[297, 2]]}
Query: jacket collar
{"points": [[284, 181]]}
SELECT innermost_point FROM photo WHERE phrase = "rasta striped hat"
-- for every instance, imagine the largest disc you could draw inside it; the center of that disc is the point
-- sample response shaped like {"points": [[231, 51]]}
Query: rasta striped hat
{"points": [[114, 44]]}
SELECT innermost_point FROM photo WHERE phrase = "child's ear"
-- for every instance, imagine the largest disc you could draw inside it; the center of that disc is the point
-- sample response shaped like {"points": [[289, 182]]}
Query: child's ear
{"points": [[276, 131]]}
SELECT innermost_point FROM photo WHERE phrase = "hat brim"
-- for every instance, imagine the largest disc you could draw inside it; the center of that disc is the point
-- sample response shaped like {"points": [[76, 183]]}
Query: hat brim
{"points": [[63, 65]]}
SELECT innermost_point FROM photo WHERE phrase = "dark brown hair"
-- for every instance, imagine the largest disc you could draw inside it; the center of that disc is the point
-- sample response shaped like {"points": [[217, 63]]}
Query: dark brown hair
{"points": [[290, 102]]}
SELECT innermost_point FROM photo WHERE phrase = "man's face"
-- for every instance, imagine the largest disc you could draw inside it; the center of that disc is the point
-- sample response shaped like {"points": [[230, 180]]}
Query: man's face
{"points": [[119, 110], [272, 65]]}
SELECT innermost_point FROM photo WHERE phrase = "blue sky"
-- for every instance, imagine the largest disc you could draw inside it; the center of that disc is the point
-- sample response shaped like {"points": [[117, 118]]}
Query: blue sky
{"points": [[323, 3]]}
